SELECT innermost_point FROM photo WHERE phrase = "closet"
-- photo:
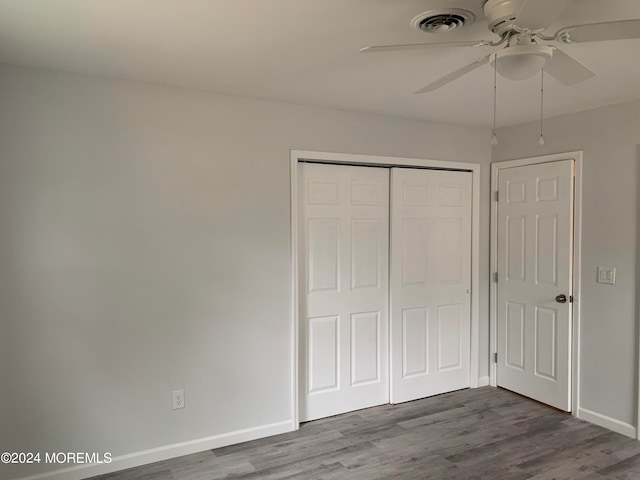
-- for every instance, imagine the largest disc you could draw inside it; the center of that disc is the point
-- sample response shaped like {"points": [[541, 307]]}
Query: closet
{"points": [[384, 285]]}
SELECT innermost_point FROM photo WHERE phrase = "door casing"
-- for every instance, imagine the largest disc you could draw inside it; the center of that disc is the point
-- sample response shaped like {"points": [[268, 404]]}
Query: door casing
{"points": [[577, 240], [297, 156]]}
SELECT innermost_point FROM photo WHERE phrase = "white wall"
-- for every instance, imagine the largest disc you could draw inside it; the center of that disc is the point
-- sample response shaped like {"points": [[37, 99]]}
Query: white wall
{"points": [[144, 247], [609, 138]]}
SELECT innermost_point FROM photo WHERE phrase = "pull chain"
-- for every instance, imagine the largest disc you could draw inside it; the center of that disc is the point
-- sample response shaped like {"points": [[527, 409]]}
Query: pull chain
{"points": [[541, 141], [494, 138]]}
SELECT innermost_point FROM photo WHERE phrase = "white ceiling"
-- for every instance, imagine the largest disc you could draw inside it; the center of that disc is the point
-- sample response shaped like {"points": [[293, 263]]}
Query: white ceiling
{"points": [[307, 52]]}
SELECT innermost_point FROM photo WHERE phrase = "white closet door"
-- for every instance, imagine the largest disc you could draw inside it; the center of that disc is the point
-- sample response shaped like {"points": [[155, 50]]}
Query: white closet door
{"points": [[430, 282], [535, 239], [344, 258]]}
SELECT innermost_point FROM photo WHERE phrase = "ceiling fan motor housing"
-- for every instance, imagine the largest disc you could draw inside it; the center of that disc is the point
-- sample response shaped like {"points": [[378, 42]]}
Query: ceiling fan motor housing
{"points": [[501, 14]]}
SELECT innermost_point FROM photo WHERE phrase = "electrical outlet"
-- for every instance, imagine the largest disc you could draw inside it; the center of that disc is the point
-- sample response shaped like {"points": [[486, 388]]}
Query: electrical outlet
{"points": [[178, 399]]}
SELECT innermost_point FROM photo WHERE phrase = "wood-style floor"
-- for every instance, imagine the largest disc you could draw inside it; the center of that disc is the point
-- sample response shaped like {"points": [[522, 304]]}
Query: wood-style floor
{"points": [[485, 433]]}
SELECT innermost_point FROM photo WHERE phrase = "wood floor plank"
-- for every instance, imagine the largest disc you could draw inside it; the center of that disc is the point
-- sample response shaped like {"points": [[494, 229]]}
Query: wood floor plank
{"points": [[486, 433], [209, 467]]}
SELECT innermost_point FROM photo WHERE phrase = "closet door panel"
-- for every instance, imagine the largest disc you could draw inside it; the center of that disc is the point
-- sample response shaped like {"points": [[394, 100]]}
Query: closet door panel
{"points": [[430, 282], [344, 288]]}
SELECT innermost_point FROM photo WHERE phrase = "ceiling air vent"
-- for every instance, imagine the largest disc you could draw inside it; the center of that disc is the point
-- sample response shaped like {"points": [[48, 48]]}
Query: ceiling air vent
{"points": [[441, 21]]}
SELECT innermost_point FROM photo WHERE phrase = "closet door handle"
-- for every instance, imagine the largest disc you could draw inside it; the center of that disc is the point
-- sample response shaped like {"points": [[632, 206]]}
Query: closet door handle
{"points": [[561, 298]]}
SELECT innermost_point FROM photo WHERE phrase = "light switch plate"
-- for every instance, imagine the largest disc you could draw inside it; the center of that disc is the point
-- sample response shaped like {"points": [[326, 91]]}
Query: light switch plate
{"points": [[607, 275]]}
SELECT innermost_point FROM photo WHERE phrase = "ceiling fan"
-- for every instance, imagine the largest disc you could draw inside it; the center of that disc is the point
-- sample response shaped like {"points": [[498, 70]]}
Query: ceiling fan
{"points": [[520, 25]]}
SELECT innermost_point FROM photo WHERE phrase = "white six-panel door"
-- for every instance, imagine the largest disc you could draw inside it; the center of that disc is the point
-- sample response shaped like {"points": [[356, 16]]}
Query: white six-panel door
{"points": [[535, 225], [430, 282], [343, 268]]}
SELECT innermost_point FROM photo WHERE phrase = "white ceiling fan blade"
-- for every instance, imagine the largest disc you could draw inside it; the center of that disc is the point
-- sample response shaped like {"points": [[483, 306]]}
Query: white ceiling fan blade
{"points": [[567, 70], [420, 46], [597, 32], [454, 75], [539, 14]]}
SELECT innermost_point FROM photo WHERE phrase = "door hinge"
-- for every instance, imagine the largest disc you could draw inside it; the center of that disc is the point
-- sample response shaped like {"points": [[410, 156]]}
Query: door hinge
{"points": [[495, 277], [497, 196], [495, 357]]}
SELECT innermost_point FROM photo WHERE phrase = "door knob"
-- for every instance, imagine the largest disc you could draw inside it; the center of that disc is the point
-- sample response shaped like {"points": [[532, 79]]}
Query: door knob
{"points": [[561, 298]]}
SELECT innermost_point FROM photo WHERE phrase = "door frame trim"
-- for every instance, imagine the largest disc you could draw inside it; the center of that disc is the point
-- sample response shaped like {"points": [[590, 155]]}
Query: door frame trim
{"points": [[577, 259], [297, 156]]}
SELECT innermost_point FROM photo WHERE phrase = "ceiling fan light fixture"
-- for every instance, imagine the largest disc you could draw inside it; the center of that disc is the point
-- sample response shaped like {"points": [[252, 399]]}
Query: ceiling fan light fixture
{"points": [[520, 62]]}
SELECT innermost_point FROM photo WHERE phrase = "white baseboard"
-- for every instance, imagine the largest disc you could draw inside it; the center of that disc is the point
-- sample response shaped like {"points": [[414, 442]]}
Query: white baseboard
{"points": [[144, 457], [607, 422], [483, 381]]}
